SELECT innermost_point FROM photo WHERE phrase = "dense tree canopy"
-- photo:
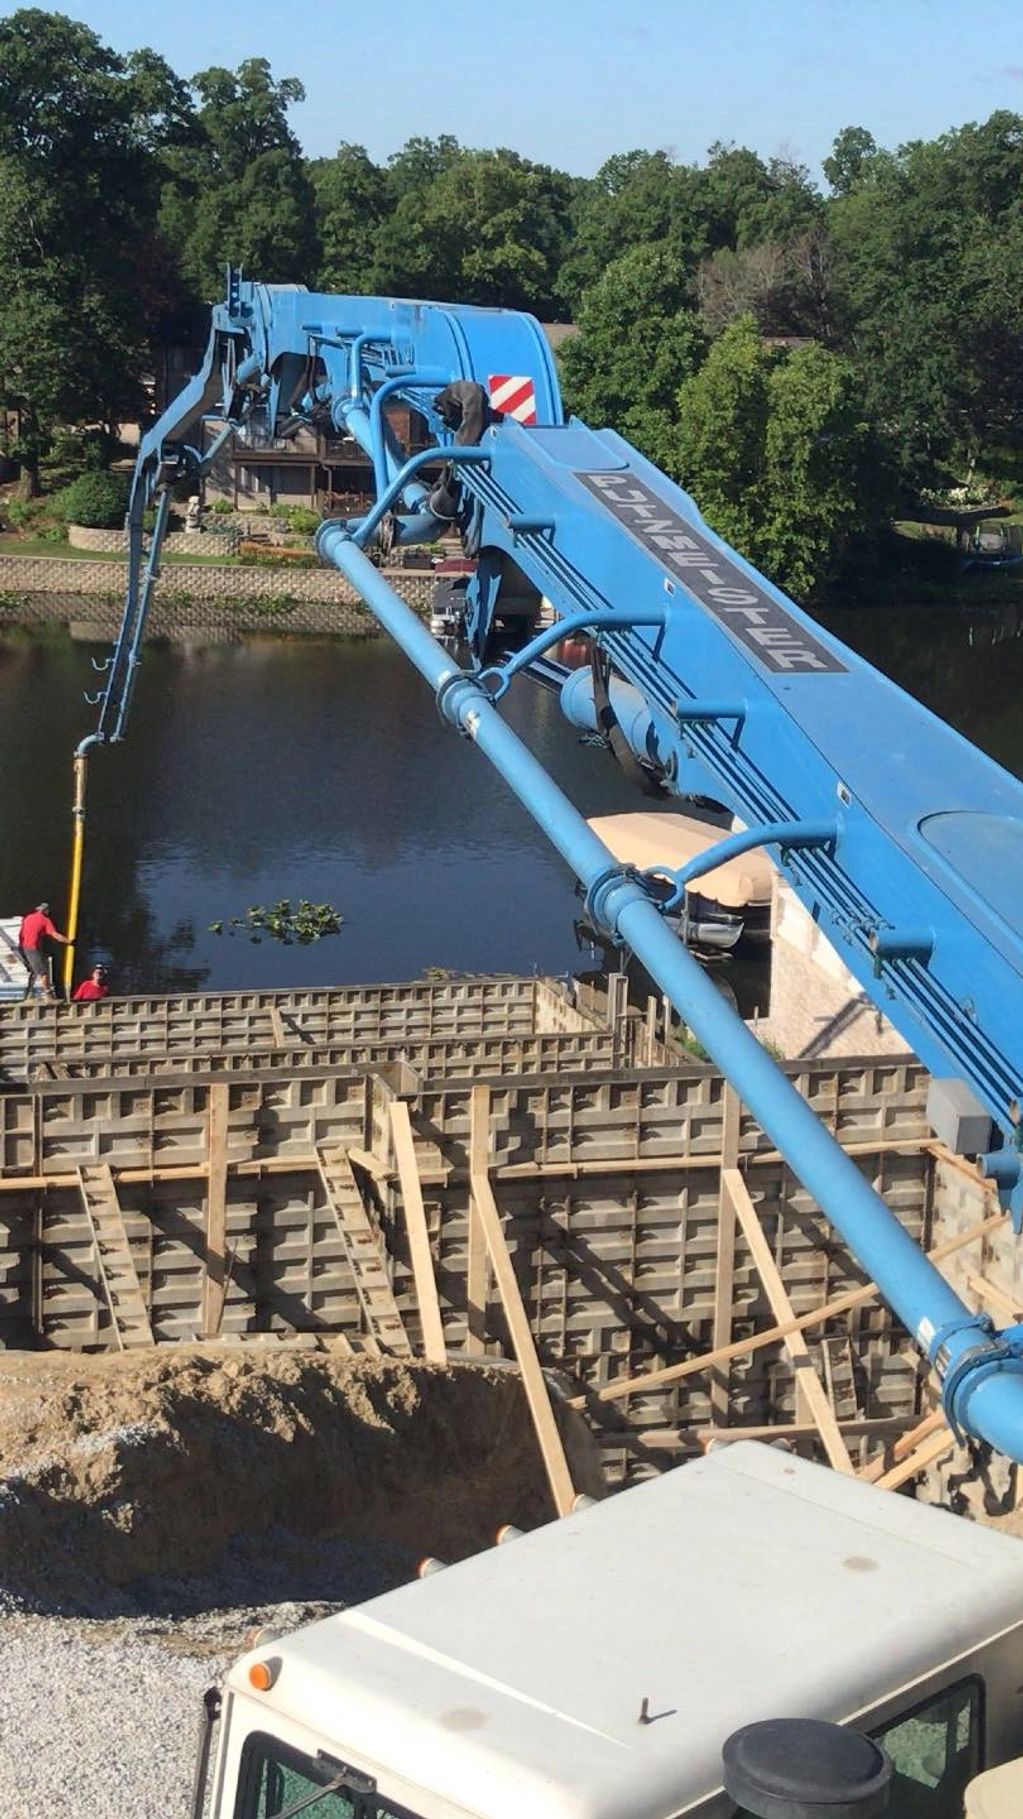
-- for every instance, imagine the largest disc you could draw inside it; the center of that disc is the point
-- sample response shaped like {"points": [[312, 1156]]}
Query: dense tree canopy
{"points": [[774, 446], [78, 192], [798, 354], [237, 189], [638, 340]]}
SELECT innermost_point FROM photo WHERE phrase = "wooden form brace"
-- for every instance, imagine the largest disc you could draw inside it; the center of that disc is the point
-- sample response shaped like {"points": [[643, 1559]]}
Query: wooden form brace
{"points": [[118, 1275], [418, 1235], [724, 1271], [918, 1461], [485, 1210], [741, 1348], [814, 1394], [903, 1446], [215, 1279], [477, 1272], [365, 1253]]}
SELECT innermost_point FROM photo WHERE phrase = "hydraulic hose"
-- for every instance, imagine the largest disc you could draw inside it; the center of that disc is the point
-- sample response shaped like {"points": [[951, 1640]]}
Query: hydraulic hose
{"points": [[81, 761]]}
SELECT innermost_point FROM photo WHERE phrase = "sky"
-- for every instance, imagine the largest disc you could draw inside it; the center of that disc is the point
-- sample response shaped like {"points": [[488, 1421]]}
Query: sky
{"points": [[568, 82]]}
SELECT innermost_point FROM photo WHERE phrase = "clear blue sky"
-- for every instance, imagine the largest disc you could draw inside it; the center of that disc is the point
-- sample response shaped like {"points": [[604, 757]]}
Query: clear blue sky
{"points": [[570, 81]]}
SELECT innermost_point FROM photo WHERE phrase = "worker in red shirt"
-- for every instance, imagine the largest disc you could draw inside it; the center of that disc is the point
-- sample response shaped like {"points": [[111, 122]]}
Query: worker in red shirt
{"points": [[93, 988], [36, 928]]}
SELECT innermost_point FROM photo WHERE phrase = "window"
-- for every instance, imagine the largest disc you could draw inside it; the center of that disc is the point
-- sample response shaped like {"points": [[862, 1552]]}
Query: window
{"points": [[275, 1778], [936, 1749]]}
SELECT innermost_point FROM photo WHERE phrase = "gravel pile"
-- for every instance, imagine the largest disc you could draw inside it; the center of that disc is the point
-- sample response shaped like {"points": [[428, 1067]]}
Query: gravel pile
{"points": [[100, 1720], [99, 1724]]}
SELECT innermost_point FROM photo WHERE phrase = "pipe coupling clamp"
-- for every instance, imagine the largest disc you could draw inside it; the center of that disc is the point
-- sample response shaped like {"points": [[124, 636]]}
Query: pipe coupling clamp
{"points": [[457, 697], [993, 1353], [597, 904]]}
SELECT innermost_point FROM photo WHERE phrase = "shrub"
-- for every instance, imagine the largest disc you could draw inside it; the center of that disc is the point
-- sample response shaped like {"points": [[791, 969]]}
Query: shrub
{"points": [[303, 520], [96, 500], [88, 449], [34, 518], [222, 508]]}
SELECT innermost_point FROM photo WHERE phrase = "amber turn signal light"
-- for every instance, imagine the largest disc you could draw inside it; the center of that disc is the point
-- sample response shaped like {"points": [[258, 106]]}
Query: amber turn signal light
{"points": [[262, 1675]]}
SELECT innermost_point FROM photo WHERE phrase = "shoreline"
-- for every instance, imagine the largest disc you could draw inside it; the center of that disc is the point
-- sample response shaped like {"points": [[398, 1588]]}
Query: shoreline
{"points": [[226, 602]]}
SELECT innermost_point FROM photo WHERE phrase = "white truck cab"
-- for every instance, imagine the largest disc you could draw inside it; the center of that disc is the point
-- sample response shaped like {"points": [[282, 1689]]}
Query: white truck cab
{"points": [[594, 1668]]}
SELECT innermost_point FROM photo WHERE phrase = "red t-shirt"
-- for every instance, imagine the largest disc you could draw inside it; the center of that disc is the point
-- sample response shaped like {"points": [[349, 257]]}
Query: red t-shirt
{"points": [[33, 927], [89, 991]]}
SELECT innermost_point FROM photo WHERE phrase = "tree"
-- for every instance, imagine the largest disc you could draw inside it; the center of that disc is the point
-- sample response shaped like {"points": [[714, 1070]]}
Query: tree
{"points": [[777, 454], [922, 248], [418, 164], [638, 340], [745, 200], [637, 198], [722, 434], [244, 114], [825, 477], [484, 227], [352, 199], [78, 245], [752, 282], [237, 190], [849, 159]]}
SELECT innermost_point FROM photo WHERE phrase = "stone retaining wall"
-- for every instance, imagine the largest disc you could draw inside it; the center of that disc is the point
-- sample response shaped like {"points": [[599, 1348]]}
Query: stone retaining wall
{"points": [[223, 541], [36, 590]]}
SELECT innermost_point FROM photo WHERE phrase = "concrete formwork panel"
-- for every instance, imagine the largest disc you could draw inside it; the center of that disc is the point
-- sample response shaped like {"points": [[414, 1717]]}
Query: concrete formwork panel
{"points": [[232, 1022], [608, 1184]]}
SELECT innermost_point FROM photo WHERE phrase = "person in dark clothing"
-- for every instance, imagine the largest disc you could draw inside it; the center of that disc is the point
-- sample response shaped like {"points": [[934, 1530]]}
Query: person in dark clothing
{"points": [[36, 928]]}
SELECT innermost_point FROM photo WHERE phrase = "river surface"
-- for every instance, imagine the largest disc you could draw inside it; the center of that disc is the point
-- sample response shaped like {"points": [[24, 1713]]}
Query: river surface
{"points": [[320, 769]]}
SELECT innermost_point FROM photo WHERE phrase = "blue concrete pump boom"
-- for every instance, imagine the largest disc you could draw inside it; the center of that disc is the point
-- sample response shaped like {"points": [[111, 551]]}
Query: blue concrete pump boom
{"points": [[902, 840]]}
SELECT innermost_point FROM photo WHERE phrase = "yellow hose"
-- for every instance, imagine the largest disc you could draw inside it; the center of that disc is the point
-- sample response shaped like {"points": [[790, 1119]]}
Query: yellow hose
{"points": [[77, 852]]}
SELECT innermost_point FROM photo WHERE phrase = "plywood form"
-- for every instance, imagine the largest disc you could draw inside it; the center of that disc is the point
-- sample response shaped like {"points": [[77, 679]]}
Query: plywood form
{"points": [[462, 1057], [217, 1023], [608, 1188]]}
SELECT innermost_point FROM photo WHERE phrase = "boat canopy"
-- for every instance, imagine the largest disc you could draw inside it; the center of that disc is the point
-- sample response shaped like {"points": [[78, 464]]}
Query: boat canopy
{"points": [[649, 840]]}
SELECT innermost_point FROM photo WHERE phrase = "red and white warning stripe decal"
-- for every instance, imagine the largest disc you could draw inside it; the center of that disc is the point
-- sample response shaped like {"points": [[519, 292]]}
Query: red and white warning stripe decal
{"points": [[514, 395]]}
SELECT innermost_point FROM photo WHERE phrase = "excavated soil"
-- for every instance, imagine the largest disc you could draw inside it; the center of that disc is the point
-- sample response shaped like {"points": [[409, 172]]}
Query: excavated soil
{"points": [[195, 1478]]}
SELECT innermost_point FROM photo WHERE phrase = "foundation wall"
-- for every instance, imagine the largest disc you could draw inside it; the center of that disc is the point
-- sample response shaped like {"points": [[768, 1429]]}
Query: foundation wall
{"points": [[608, 1185], [199, 1025]]}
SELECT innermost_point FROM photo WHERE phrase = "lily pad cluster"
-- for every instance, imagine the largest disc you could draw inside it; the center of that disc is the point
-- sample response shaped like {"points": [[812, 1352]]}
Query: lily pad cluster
{"points": [[303, 922]]}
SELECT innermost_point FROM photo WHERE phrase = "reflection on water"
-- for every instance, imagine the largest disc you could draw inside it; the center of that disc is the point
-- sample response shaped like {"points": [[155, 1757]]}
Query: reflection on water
{"points": [[320, 769], [967, 667], [274, 769]]}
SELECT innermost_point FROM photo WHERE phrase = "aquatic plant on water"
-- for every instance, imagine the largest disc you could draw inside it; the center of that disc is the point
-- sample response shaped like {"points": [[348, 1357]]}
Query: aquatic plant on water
{"points": [[305, 922]]}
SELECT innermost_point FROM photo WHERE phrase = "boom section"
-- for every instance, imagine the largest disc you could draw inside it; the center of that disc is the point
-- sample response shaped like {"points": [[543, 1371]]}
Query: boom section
{"points": [[736, 693]]}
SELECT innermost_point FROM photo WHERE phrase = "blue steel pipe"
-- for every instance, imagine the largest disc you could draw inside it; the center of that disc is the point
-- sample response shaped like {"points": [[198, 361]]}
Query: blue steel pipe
{"points": [[983, 1371], [427, 457], [427, 380], [586, 619], [630, 710], [791, 834]]}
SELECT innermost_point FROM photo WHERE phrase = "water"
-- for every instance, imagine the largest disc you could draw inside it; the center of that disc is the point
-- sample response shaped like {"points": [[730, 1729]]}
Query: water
{"points": [[284, 769], [320, 769]]}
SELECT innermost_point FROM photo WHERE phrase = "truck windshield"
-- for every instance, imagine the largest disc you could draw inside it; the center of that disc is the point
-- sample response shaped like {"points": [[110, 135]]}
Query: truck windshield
{"points": [[276, 1782], [936, 1749]]}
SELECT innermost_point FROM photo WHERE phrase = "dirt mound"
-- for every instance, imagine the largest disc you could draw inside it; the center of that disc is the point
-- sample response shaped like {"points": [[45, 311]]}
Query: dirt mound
{"points": [[197, 1474]]}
